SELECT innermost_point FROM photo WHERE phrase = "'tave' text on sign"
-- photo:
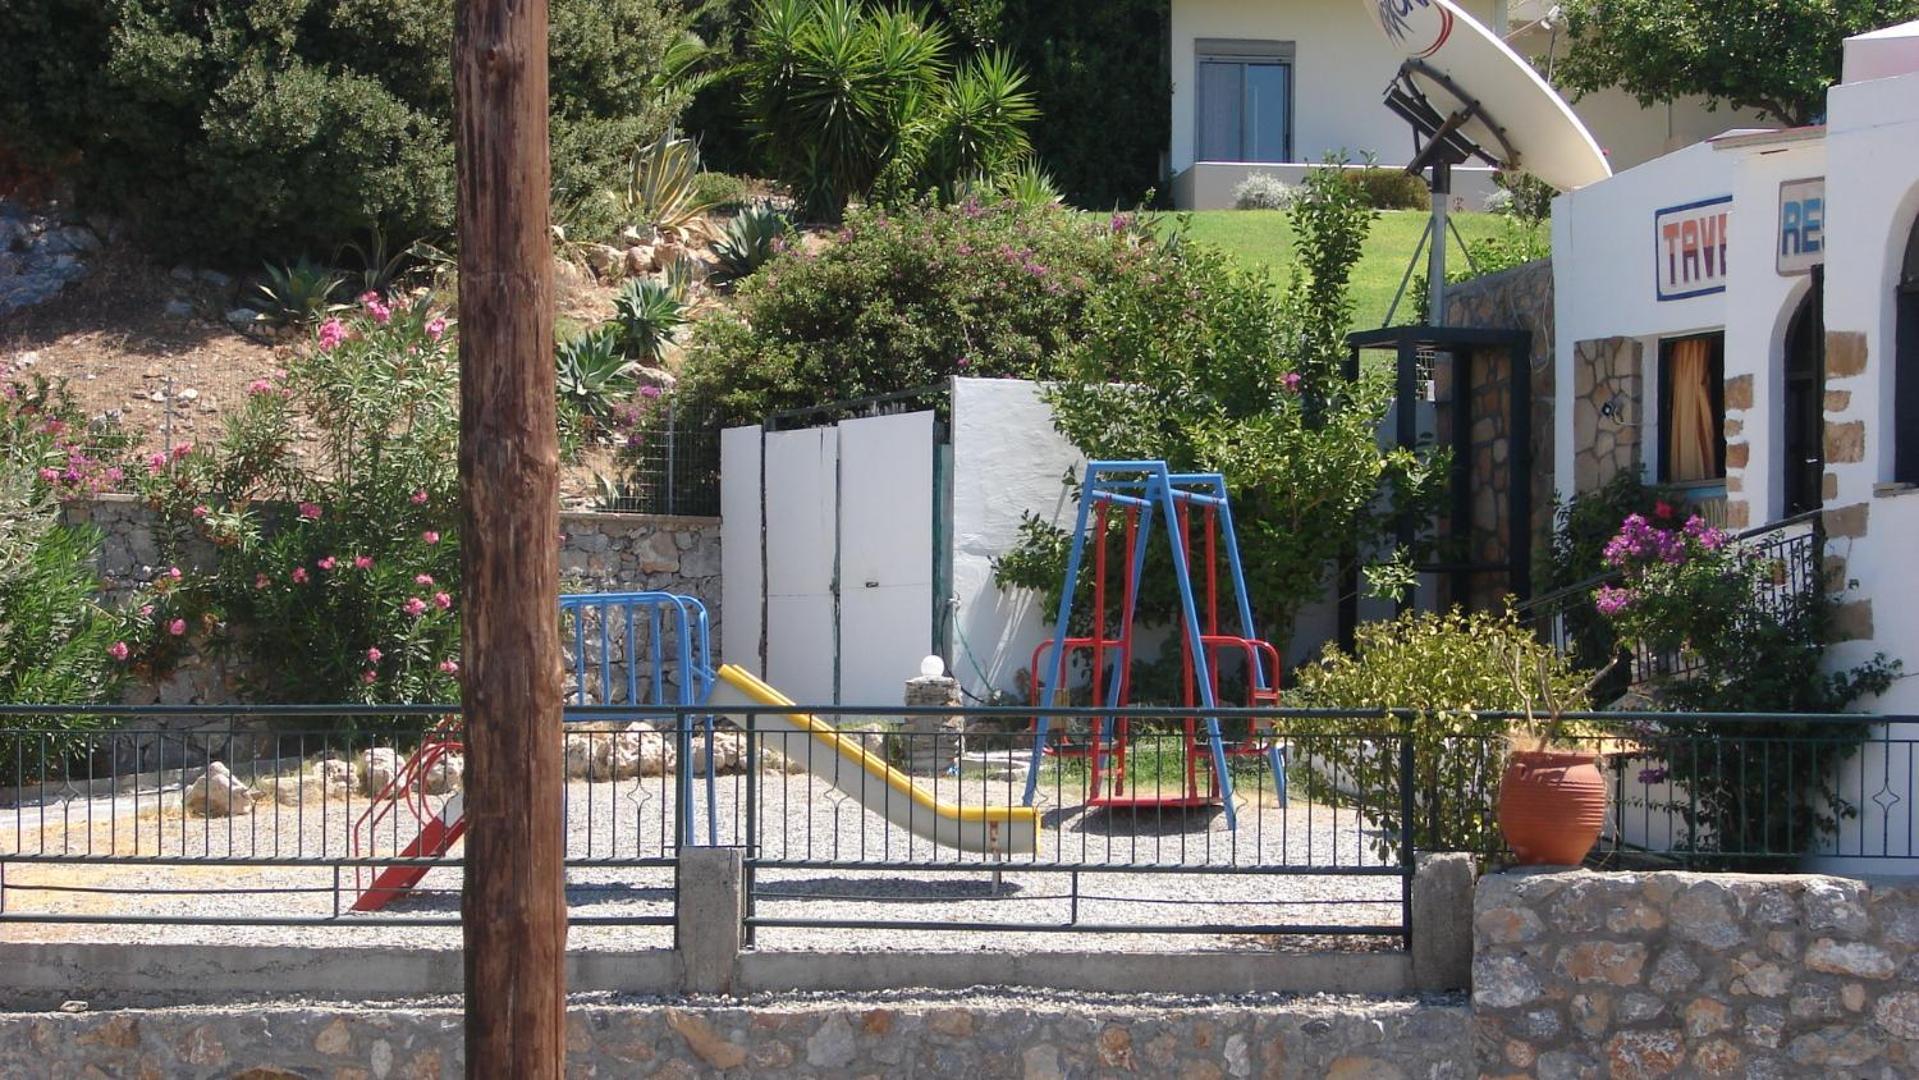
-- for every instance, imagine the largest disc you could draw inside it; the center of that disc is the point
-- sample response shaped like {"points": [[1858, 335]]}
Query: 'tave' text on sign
{"points": [[1690, 248]]}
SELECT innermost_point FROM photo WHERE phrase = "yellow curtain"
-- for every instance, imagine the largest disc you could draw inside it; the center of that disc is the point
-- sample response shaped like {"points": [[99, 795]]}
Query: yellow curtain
{"points": [[1693, 447]]}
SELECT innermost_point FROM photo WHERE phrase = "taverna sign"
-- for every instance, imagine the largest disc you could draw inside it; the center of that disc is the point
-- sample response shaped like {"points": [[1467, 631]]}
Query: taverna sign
{"points": [[1689, 245]]}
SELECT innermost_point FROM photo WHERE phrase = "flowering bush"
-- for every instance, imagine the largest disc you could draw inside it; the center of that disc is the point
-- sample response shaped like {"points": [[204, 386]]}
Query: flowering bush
{"points": [[903, 299], [337, 568], [44, 431], [1682, 583]]}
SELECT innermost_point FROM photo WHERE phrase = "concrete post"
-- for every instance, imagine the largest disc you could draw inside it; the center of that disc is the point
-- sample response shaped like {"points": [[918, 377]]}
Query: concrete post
{"points": [[1443, 922], [930, 742], [709, 909]]}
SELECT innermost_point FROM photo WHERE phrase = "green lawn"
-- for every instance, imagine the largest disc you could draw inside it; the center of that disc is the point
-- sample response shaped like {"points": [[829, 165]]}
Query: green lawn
{"points": [[1265, 238]]}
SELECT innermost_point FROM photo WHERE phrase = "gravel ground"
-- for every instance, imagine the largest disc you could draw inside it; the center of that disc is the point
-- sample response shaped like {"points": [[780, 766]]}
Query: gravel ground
{"points": [[803, 820]]}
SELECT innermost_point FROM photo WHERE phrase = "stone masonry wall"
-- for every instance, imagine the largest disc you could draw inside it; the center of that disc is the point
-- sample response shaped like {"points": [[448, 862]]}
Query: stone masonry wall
{"points": [[1581, 974], [599, 553], [1033, 1038]]}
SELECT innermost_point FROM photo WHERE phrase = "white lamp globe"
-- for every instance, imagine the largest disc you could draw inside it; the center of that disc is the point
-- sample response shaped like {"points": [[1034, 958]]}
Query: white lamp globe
{"points": [[932, 667]]}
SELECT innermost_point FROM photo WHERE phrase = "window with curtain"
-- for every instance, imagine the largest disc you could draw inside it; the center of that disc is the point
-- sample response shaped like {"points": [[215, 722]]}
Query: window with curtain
{"points": [[1692, 420], [1245, 100]]}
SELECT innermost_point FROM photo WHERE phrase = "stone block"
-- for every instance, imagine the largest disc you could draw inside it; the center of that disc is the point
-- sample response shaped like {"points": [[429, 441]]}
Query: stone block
{"points": [[1846, 442], [1837, 401], [1442, 941], [1846, 522], [1852, 621], [1738, 393], [1845, 353], [710, 907], [1738, 455]]}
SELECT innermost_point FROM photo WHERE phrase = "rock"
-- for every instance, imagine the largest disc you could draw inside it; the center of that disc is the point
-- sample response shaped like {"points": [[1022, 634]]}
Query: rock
{"points": [[728, 753], [189, 394], [217, 794], [607, 261], [73, 1006], [178, 308], [241, 318], [445, 774], [335, 773], [1899, 1014], [1850, 958], [1503, 982], [639, 260], [182, 273], [73, 239], [377, 769], [579, 756], [214, 278]]}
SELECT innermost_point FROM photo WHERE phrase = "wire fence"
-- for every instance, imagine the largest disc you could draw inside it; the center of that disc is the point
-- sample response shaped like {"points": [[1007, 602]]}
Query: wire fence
{"points": [[901, 823], [672, 471]]}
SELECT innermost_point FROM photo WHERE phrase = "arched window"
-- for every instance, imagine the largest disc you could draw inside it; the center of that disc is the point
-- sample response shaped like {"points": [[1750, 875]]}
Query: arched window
{"points": [[1804, 452], [1905, 370]]}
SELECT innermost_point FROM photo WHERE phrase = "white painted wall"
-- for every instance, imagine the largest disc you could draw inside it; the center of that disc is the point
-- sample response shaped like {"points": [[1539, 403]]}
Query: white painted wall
{"points": [[740, 581], [1603, 276], [1872, 192], [1007, 460]]}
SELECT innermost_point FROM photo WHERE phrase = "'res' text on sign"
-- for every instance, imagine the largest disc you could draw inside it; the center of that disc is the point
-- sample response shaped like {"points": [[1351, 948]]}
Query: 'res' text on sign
{"points": [[1689, 242], [1802, 225]]}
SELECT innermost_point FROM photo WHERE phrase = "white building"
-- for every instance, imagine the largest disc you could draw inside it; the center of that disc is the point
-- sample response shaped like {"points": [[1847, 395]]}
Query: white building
{"points": [[1275, 85], [1741, 317]]}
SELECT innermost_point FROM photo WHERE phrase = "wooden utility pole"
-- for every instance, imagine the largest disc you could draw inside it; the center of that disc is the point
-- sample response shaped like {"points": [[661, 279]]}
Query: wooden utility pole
{"points": [[515, 900]]}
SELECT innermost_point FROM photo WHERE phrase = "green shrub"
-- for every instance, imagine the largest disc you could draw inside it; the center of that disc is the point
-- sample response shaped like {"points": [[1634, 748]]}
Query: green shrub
{"points": [[901, 300], [1447, 668], [237, 131], [337, 569], [1389, 189], [721, 190]]}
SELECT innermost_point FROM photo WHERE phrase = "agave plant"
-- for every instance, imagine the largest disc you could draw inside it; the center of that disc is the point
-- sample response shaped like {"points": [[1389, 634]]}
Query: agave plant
{"points": [[751, 238], [592, 374], [662, 188], [648, 315], [1028, 184], [299, 294], [380, 267]]}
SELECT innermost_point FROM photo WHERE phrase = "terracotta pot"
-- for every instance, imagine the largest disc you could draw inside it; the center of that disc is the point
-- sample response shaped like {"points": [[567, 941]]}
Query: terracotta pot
{"points": [[1552, 805]]}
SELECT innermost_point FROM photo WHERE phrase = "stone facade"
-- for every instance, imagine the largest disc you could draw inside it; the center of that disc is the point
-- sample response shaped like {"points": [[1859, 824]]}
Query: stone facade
{"points": [[1519, 298], [1581, 974], [1036, 1037], [1608, 403]]}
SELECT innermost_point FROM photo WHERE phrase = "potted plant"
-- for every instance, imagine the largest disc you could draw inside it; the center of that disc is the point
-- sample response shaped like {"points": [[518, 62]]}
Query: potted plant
{"points": [[1552, 797]]}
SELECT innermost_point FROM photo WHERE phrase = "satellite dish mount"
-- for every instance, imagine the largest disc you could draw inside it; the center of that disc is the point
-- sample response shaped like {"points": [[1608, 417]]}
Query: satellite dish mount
{"points": [[1441, 142]]}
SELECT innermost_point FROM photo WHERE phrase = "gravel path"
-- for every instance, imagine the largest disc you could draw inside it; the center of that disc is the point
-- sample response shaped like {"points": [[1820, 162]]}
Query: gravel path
{"points": [[802, 820]]}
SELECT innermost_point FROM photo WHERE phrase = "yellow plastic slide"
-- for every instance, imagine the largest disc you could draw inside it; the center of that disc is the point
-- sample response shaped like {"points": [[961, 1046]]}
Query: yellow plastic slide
{"points": [[882, 789]]}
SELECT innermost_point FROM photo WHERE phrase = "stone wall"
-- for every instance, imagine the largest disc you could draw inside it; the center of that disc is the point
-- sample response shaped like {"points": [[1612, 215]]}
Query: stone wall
{"points": [[1517, 299], [1582, 974], [1037, 1037], [1608, 410], [599, 553]]}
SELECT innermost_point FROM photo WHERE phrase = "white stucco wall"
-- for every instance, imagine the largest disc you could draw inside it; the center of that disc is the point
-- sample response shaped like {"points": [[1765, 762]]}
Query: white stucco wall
{"points": [[1007, 461], [1872, 193], [1603, 277]]}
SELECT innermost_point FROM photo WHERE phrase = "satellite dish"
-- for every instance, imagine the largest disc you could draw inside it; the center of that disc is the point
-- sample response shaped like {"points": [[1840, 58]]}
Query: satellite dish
{"points": [[1482, 96]]}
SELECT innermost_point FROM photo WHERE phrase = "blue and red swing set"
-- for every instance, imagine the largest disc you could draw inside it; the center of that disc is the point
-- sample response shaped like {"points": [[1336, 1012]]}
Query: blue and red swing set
{"points": [[1194, 510]]}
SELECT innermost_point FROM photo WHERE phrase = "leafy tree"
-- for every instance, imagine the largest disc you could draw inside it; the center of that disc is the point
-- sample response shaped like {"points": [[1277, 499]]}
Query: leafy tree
{"points": [[1197, 365], [1773, 56], [236, 131]]}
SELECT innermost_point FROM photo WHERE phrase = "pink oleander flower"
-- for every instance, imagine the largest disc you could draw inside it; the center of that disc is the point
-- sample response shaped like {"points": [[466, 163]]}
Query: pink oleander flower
{"points": [[450, 667], [201, 511], [173, 572], [327, 563], [373, 655], [649, 391], [260, 581], [369, 676], [363, 562], [50, 475], [1290, 382], [118, 650], [332, 333], [376, 309], [310, 511], [156, 462], [299, 575], [423, 579], [414, 606], [418, 498], [259, 387], [435, 327], [146, 611], [430, 536], [177, 627], [442, 601], [182, 450]]}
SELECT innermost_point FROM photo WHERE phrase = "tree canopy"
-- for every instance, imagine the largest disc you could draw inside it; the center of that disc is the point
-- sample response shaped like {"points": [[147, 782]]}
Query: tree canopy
{"points": [[1773, 56]]}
